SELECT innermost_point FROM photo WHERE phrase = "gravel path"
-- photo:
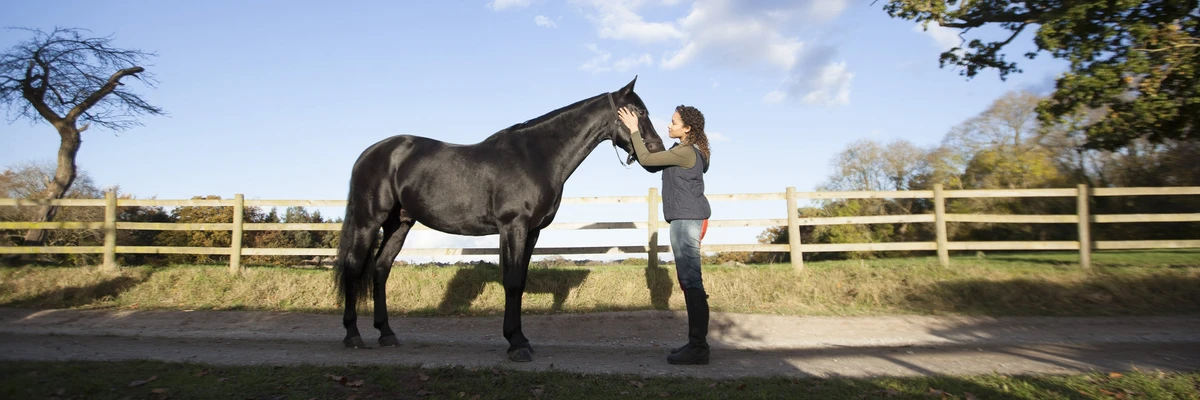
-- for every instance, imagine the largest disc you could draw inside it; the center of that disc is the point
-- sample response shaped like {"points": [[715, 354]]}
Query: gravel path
{"points": [[624, 342]]}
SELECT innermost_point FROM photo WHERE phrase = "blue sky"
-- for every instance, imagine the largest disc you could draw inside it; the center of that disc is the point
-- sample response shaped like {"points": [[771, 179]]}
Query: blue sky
{"points": [[276, 99]]}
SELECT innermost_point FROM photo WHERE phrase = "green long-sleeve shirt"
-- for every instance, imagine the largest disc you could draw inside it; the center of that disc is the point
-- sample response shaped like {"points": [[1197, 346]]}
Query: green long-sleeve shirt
{"points": [[682, 156]]}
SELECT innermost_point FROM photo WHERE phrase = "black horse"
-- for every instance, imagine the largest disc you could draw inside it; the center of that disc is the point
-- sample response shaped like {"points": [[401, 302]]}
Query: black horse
{"points": [[509, 184]]}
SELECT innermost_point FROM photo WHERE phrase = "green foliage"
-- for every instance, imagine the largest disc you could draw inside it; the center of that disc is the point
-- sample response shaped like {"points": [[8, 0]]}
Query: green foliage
{"points": [[1135, 61]]}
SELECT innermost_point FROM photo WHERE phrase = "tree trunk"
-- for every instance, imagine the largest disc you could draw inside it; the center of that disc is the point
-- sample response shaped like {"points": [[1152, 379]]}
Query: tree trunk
{"points": [[64, 176]]}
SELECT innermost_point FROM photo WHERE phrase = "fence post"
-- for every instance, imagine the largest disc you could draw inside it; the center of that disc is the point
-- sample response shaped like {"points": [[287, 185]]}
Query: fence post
{"points": [[939, 210], [652, 228], [235, 247], [1085, 234], [797, 256], [110, 231]]}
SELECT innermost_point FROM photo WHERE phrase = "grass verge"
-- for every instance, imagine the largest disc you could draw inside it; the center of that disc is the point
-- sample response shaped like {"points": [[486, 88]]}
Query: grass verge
{"points": [[1122, 283], [158, 380]]}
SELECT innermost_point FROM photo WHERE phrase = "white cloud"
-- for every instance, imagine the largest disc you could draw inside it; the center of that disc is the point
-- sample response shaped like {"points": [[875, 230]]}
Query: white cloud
{"points": [[945, 38], [632, 62], [775, 96], [830, 87], [600, 63], [541, 20], [743, 35], [618, 20], [503, 4]]}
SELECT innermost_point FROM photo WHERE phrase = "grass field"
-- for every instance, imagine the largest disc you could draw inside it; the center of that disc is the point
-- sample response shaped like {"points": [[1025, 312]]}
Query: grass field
{"points": [[1122, 283]]}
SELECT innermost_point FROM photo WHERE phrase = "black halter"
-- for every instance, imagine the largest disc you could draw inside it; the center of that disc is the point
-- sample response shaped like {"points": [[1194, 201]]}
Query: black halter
{"points": [[613, 105]]}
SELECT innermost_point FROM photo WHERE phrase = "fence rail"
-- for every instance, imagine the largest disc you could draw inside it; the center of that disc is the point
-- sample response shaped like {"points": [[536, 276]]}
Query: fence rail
{"points": [[651, 225]]}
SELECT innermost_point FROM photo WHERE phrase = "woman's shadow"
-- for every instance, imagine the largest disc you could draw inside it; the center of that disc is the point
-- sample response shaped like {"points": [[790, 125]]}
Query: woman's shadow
{"points": [[468, 283]]}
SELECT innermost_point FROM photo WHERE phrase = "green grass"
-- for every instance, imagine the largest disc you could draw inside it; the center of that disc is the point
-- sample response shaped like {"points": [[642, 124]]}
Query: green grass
{"points": [[1122, 283], [158, 380]]}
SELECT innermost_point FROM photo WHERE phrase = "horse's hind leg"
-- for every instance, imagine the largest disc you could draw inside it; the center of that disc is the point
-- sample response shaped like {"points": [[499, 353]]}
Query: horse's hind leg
{"points": [[395, 228], [358, 244], [359, 232]]}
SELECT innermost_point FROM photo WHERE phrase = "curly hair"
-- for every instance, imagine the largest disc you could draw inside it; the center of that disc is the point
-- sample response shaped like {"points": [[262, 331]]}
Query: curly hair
{"points": [[694, 119]]}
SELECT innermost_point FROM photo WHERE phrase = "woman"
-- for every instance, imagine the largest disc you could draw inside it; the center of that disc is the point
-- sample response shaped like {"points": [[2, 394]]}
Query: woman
{"points": [[687, 210]]}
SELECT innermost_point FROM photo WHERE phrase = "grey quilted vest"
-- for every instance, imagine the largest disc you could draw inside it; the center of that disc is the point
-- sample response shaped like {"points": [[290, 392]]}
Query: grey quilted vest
{"points": [[683, 190]]}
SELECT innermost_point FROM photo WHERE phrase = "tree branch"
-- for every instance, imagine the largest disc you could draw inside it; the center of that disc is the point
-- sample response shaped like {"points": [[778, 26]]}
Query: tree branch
{"points": [[36, 97], [1169, 48], [95, 97]]}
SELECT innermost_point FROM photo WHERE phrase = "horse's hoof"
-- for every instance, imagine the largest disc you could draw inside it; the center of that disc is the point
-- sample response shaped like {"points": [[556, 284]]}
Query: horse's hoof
{"points": [[521, 354], [389, 341], [354, 343]]}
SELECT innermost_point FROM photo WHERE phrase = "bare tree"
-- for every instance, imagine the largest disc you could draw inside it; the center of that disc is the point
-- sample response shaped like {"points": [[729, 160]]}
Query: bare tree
{"points": [[65, 79]]}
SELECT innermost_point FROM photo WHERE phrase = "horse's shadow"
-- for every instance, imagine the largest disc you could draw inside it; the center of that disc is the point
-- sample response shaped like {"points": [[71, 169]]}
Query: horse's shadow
{"points": [[468, 283]]}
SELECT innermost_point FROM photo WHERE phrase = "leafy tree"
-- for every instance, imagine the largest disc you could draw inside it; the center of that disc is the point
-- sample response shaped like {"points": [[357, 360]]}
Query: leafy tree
{"points": [[1136, 61], [64, 79]]}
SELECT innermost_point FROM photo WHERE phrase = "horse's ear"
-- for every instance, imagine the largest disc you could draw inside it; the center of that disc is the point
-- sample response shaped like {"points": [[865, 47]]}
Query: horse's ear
{"points": [[629, 87]]}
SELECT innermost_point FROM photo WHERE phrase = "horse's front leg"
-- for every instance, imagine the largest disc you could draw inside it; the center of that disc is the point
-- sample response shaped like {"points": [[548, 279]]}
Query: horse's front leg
{"points": [[516, 248]]}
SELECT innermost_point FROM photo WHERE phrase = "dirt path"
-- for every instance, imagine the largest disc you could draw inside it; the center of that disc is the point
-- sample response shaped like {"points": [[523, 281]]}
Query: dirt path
{"points": [[623, 342]]}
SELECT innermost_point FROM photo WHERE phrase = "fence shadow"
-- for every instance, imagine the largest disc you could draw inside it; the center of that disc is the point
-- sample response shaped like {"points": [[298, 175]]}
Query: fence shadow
{"points": [[468, 283], [76, 296], [1133, 294]]}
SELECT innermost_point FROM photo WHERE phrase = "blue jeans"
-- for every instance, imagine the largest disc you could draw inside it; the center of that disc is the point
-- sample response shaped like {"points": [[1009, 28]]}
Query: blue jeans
{"points": [[685, 244]]}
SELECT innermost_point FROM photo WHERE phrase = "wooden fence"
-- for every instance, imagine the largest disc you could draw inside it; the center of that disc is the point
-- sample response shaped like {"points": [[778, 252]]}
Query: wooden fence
{"points": [[651, 225]]}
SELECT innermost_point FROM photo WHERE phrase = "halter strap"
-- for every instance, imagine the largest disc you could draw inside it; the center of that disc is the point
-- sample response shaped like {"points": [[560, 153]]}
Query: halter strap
{"points": [[613, 105]]}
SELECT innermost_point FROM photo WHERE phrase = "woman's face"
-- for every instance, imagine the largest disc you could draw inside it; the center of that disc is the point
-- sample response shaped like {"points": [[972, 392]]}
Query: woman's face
{"points": [[677, 130]]}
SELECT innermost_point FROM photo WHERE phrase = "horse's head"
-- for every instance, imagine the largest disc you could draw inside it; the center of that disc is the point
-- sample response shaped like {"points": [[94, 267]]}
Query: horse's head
{"points": [[626, 97]]}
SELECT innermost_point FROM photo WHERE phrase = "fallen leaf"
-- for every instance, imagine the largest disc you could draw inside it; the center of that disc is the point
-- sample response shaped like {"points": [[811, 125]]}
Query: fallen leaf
{"points": [[664, 394], [475, 397], [159, 390], [537, 392], [741, 387], [336, 378], [495, 371], [637, 383], [202, 372], [712, 385], [423, 377], [462, 394], [935, 392], [355, 383], [143, 382], [970, 396], [222, 379], [423, 393], [1114, 375]]}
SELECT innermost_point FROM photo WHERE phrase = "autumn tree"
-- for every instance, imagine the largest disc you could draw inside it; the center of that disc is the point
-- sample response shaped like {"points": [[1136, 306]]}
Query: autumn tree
{"points": [[67, 79], [1134, 60]]}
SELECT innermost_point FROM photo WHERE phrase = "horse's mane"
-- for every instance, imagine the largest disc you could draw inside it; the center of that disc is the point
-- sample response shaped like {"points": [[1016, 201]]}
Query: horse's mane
{"points": [[544, 118]]}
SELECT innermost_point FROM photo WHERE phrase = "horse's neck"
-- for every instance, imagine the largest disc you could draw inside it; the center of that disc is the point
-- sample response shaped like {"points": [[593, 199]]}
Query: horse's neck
{"points": [[571, 139]]}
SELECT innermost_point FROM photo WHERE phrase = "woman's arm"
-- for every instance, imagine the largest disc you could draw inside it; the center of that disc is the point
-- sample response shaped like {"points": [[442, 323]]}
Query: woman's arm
{"points": [[682, 156]]}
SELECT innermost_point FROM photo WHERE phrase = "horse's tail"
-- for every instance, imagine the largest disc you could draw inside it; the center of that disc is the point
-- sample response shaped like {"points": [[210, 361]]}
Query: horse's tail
{"points": [[351, 272]]}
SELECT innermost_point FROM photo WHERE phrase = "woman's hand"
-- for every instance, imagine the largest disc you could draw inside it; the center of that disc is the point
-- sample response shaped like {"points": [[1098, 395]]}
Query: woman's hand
{"points": [[628, 118]]}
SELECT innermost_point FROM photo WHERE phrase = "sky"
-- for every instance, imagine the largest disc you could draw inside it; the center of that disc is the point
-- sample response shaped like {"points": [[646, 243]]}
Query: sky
{"points": [[276, 99]]}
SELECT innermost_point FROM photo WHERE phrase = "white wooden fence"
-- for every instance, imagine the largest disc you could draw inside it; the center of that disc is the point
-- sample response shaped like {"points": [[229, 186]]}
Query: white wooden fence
{"points": [[1082, 218]]}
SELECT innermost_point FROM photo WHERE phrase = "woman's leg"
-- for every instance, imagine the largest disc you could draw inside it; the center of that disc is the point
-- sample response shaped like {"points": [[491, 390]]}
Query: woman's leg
{"points": [[685, 244]]}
